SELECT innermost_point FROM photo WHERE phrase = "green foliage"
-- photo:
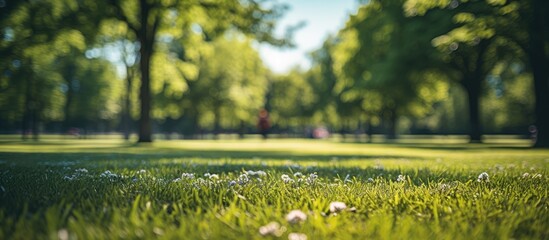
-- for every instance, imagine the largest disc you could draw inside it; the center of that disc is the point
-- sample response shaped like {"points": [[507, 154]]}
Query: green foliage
{"points": [[384, 62], [230, 85], [508, 106], [292, 100], [115, 191]]}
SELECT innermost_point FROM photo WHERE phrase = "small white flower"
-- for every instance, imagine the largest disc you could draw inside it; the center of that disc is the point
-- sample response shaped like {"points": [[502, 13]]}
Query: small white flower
{"points": [[297, 236], [214, 176], [232, 183], [108, 174], [261, 173], [525, 175], [272, 228], [298, 174], [243, 179], [296, 216], [142, 171], [258, 173], [401, 178], [177, 180], [312, 177], [81, 170], [187, 176], [286, 179], [63, 234], [370, 180], [337, 206], [483, 177]]}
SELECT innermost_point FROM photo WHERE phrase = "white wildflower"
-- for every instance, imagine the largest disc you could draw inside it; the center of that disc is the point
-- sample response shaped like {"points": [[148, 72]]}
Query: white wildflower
{"points": [[177, 180], [214, 176], [337, 206], [312, 177], [298, 174], [286, 179], [142, 171], [256, 173], [401, 178], [483, 177], [81, 170], [297, 236], [272, 228], [243, 179], [370, 180], [296, 216], [232, 183], [537, 175], [187, 176], [69, 178], [525, 175], [108, 174], [63, 234]]}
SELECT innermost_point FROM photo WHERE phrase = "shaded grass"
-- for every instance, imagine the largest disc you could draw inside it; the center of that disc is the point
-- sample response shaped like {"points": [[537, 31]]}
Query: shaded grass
{"points": [[44, 195]]}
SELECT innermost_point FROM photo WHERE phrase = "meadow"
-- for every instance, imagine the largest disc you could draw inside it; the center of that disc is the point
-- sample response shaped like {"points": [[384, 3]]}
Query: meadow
{"points": [[275, 189]]}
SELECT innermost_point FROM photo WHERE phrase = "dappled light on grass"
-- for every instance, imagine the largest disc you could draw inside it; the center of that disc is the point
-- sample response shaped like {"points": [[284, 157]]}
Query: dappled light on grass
{"points": [[248, 191]]}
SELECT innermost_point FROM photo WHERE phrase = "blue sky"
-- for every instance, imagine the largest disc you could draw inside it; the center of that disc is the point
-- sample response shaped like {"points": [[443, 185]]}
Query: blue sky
{"points": [[321, 17]]}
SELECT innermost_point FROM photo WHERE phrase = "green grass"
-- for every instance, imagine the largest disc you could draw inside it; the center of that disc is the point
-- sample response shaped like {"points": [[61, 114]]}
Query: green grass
{"points": [[45, 194]]}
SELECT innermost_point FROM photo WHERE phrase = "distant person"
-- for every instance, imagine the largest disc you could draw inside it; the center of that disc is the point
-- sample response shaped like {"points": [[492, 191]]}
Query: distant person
{"points": [[263, 124]]}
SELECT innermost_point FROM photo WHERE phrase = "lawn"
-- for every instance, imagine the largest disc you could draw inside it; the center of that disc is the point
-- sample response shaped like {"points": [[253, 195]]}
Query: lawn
{"points": [[249, 189]]}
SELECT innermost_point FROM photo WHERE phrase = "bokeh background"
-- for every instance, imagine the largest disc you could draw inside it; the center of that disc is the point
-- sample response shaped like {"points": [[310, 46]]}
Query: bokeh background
{"points": [[204, 69]]}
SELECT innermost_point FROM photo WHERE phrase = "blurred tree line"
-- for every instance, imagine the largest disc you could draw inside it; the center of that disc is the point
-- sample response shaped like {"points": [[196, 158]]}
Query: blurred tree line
{"points": [[191, 67]]}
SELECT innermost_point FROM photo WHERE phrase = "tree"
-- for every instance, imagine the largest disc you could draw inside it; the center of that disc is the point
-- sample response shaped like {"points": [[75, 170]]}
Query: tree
{"points": [[250, 17], [389, 56], [229, 87], [115, 36], [31, 30], [519, 23], [291, 100], [538, 53]]}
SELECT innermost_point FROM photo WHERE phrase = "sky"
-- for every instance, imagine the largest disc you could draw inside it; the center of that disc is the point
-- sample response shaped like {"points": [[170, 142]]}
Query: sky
{"points": [[321, 17]]}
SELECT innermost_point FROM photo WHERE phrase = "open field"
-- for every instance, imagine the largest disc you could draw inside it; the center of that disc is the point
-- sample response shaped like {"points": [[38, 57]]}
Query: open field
{"points": [[109, 189]]}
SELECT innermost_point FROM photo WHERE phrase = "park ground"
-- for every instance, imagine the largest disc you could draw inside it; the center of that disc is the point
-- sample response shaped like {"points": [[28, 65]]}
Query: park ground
{"points": [[61, 188]]}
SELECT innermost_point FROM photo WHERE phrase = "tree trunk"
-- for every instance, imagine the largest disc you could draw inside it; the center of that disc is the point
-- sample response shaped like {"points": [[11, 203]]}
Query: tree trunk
{"points": [[146, 39], [25, 123], [473, 99], [473, 74], [242, 129], [126, 115], [217, 126], [69, 78], [34, 123], [392, 120], [369, 130], [540, 64]]}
